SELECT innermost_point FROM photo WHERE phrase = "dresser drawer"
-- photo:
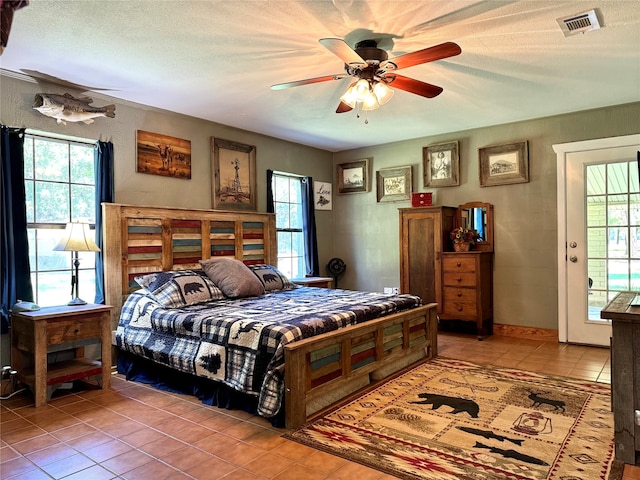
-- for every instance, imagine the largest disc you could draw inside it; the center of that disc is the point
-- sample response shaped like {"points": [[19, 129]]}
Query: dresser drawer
{"points": [[458, 279], [460, 295], [71, 330], [459, 309], [459, 263]]}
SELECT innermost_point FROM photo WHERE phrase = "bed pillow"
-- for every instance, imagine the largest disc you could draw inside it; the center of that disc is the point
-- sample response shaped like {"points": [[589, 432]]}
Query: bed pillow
{"points": [[272, 278], [179, 288], [232, 277]]}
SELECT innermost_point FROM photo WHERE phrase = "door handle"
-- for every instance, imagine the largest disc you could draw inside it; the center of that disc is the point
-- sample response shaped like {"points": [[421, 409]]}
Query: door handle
{"points": [[573, 259]]}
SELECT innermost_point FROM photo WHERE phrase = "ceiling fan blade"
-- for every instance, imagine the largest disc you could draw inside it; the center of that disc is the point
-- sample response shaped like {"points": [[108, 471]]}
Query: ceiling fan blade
{"points": [[437, 52], [326, 78], [413, 86], [343, 107], [340, 48]]}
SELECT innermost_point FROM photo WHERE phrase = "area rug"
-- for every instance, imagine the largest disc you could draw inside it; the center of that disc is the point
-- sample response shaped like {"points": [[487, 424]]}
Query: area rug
{"points": [[454, 420]]}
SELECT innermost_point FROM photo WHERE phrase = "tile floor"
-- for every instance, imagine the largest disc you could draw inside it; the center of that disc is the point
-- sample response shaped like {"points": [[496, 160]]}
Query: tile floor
{"points": [[135, 432]]}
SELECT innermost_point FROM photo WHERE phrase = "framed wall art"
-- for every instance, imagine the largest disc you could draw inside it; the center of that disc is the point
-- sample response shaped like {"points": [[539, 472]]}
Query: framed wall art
{"points": [[394, 184], [159, 154], [353, 177], [234, 175], [322, 195], [504, 164], [441, 162]]}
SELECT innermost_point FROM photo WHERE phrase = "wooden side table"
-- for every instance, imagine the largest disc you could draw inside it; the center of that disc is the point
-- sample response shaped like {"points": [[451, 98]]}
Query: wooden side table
{"points": [[53, 329], [625, 374], [319, 282]]}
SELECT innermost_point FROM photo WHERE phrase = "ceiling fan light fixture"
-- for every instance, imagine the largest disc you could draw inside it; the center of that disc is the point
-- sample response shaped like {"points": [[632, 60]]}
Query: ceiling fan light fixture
{"points": [[363, 93], [382, 92]]}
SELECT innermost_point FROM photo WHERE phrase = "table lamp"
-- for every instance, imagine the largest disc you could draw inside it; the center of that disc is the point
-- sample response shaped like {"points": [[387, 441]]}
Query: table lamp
{"points": [[76, 239]]}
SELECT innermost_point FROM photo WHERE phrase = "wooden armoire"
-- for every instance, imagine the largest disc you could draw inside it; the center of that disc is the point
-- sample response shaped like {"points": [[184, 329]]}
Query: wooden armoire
{"points": [[424, 235], [461, 283]]}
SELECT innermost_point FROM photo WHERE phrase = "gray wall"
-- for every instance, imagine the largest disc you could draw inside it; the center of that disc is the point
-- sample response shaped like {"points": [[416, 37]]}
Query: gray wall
{"points": [[144, 189], [16, 100], [359, 230], [525, 271]]}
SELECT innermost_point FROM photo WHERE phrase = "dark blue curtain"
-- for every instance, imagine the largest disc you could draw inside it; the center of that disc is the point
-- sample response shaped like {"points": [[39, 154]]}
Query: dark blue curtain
{"points": [[103, 162], [308, 221], [270, 207], [14, 248], [309, 225]]}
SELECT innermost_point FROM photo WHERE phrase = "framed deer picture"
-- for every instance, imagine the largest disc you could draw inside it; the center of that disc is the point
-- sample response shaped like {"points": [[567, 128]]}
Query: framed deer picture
{"points": [[159, 154]]}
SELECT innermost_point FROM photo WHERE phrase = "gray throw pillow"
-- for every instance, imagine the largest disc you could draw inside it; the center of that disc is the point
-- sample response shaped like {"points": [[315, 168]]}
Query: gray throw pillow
{"points": [[232, 277]]}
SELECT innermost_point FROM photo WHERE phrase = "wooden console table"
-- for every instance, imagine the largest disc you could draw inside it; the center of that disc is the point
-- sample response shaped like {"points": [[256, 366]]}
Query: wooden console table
{"points": [[625, 375]]}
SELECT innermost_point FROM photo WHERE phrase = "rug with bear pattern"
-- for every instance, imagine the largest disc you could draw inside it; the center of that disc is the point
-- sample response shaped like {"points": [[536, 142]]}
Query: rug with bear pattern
{"points": [[454, 420]]}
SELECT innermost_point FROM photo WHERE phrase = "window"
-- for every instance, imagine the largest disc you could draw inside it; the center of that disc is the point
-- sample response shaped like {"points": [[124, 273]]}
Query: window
{"points": [[287, 199], [60, 188]]}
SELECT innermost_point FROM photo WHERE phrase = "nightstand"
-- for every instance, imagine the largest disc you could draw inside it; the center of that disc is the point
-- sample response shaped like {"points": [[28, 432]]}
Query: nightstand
{"points": [[34, 334], [320, 282]]}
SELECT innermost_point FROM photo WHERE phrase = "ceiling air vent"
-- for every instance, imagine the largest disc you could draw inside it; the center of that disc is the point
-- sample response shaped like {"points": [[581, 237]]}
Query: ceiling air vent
{"points": [[580, 23]]}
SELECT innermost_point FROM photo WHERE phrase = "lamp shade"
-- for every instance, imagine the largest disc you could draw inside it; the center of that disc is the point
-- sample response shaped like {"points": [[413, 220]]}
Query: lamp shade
{"points": [[382, 92], [370, 102], [349, 97], [77, 239]]}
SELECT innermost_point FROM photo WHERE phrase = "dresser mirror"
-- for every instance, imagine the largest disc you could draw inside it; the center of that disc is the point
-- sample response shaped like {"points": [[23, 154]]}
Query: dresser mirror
{"points": [[479, 216]]}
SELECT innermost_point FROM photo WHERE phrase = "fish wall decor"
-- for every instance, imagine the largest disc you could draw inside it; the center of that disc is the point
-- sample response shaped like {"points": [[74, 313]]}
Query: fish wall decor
{"points": [[67, 108]]}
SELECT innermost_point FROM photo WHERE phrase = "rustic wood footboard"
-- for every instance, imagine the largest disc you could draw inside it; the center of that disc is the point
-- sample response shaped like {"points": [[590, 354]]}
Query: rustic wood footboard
{"points": [[322, 370]]}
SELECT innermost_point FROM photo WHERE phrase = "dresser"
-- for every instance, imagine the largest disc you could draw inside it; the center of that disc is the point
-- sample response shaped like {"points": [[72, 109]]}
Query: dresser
{"points": [[467, 289]]}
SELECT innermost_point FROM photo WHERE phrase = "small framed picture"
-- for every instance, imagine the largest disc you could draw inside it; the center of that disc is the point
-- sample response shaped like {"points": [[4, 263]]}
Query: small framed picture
{"points": [[353, 177], [234, 175], [322, 195], [394, 184], [441, 163], [504, 164], [159, 154]]}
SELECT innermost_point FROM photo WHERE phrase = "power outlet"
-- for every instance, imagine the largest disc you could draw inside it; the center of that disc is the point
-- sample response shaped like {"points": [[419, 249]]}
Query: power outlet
{"points": [[395, 290]]}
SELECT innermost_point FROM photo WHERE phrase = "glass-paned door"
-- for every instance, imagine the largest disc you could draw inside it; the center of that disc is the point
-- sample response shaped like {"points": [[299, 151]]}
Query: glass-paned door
{"points": [[613, 232], [603, 237]]}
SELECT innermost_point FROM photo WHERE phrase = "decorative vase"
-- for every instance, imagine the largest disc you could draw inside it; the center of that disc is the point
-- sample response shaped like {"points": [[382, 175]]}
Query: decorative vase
{"points": [[461, 246]]}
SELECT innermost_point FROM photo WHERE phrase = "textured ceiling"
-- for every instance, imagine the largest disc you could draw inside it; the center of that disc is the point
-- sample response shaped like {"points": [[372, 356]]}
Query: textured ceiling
{"points": [[216, 60]]}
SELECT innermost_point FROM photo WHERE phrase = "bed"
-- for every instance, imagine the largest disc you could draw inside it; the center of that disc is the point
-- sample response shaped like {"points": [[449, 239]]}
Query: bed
{"points": [[309, 364]]}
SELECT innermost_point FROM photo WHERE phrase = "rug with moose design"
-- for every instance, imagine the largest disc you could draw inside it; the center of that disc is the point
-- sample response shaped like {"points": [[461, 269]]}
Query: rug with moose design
{"points": [[454, 420]]}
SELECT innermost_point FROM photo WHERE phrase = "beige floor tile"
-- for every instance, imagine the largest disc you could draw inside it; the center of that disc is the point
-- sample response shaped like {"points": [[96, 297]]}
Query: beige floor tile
{"points": [[139, 432]]}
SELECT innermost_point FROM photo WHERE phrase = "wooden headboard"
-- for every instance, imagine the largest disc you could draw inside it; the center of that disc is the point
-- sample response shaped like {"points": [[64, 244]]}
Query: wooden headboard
{"points": [[139, 239]]}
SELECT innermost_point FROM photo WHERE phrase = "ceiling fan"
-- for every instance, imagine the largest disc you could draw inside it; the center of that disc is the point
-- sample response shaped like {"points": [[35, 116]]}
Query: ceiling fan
{"points": [[374, 72]]}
